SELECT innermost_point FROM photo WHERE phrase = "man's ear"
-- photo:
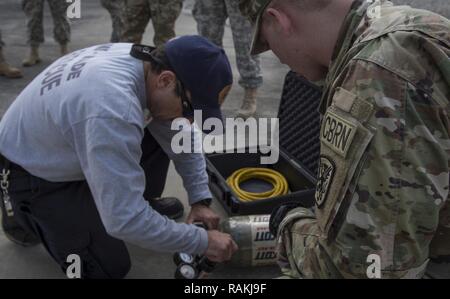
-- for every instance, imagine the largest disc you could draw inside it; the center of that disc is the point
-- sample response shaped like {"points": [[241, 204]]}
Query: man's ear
{"points": [[280, 19], [166, 79]]}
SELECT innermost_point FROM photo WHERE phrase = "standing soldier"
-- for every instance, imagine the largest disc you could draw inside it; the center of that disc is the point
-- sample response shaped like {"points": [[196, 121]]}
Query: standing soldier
{"points": [[34, 10], [163, 14], [211, 16], [116, 9], [382, 198], [5, 69]]}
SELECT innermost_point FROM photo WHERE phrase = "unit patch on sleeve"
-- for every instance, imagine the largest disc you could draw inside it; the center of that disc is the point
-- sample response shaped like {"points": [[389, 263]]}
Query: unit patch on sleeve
{"points": [[327, 169]]}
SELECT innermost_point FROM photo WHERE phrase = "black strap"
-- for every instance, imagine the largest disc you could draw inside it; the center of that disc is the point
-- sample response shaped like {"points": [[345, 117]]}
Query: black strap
{"points": [[142, 52], [205, 202]]}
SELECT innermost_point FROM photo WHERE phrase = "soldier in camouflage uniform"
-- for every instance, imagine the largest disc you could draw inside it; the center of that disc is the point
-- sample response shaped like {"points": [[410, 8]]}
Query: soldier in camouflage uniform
{"points": [[163, 14], [34, 10], [5, 69], [382, 197], [211, 16], [116, 9]]}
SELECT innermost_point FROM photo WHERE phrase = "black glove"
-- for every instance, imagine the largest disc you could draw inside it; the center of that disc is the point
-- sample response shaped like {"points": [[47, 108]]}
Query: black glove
{"points": [[278, 215]]}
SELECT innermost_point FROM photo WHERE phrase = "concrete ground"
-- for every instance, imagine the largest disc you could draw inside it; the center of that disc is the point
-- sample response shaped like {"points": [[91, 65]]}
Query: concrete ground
{"points": [[93, 28]]}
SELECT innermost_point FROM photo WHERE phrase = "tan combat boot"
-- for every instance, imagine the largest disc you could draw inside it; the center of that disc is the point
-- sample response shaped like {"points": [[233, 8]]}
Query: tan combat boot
{"points": [[7, 70], [248, 107], [33, 59], [63, 48]]}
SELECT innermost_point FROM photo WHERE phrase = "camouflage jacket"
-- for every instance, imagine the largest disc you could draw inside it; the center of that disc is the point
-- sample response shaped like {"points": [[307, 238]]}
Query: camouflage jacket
{"points": [[382, 207]]}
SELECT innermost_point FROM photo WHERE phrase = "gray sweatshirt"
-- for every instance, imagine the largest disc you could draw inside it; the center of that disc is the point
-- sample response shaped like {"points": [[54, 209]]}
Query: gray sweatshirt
{"points": [[83, 119]]}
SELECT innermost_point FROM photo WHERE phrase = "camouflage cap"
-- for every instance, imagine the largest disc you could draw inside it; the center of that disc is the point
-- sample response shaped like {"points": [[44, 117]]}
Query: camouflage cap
{"points": [[253, 9]]}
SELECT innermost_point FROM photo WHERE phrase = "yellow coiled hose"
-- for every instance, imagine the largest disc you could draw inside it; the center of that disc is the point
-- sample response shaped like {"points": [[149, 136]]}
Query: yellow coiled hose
{"points": [[278, 181]]}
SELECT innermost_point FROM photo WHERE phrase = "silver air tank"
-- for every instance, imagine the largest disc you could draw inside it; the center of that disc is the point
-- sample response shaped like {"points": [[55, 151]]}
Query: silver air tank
{"points": [[252, 235]]}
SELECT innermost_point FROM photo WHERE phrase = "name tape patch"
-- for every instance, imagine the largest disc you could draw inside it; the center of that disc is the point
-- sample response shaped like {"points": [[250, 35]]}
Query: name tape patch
{"points": [[337, 133]]}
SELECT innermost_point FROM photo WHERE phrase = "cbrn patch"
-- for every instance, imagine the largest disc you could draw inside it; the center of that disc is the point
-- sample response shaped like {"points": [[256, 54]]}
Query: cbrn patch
{"points": [[337, 133]]}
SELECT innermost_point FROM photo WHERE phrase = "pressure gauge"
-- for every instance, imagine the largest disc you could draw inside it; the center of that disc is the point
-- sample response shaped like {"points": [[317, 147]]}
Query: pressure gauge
{"points": [[186, 271], [185, 258]]}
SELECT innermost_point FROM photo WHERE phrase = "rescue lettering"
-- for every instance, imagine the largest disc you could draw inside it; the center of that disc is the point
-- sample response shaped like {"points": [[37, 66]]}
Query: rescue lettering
{"points": [[54, 76]]}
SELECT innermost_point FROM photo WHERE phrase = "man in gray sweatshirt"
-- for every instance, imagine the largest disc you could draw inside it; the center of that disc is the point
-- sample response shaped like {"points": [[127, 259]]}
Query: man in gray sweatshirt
{"points": [[87, 144]]}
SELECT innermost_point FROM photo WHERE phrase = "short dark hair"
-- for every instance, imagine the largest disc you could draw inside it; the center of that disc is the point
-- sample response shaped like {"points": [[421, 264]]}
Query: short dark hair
{"points": [[161, 63]]}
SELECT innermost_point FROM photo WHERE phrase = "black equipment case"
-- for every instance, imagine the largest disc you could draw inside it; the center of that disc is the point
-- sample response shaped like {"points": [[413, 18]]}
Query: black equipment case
{"points": [[299, 126]]}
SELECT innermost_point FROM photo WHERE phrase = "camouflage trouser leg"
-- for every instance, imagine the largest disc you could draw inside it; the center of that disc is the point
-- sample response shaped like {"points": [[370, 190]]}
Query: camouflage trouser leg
{"points": [[248, 65], [211, 16], [116, 9], [61, 26], [137, 15], [34, 10], [164, 14]]}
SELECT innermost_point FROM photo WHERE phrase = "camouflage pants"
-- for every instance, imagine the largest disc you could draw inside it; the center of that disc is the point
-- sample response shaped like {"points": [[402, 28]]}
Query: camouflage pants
{"points": [[34, 10], [116, 9], [211, 16], [163, 14]]}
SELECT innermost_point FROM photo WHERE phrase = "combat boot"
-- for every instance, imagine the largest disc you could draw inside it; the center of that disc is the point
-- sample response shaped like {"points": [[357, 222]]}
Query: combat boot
{"points": [[63, 49], [33, 59], [14, 231], [248, 107], [167, 206], [7, 70]]}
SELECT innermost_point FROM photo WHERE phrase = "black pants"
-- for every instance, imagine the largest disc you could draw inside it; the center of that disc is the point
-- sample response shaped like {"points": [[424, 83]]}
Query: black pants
{"points": [[65, 217]]}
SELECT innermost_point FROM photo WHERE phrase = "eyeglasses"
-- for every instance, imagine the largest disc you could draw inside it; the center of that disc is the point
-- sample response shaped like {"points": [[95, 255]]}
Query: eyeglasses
{"points": [[188, 109]]}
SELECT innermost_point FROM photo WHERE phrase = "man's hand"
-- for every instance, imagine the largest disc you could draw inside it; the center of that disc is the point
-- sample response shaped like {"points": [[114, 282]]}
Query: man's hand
{"points": [[220, 247], [202, 213]]}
